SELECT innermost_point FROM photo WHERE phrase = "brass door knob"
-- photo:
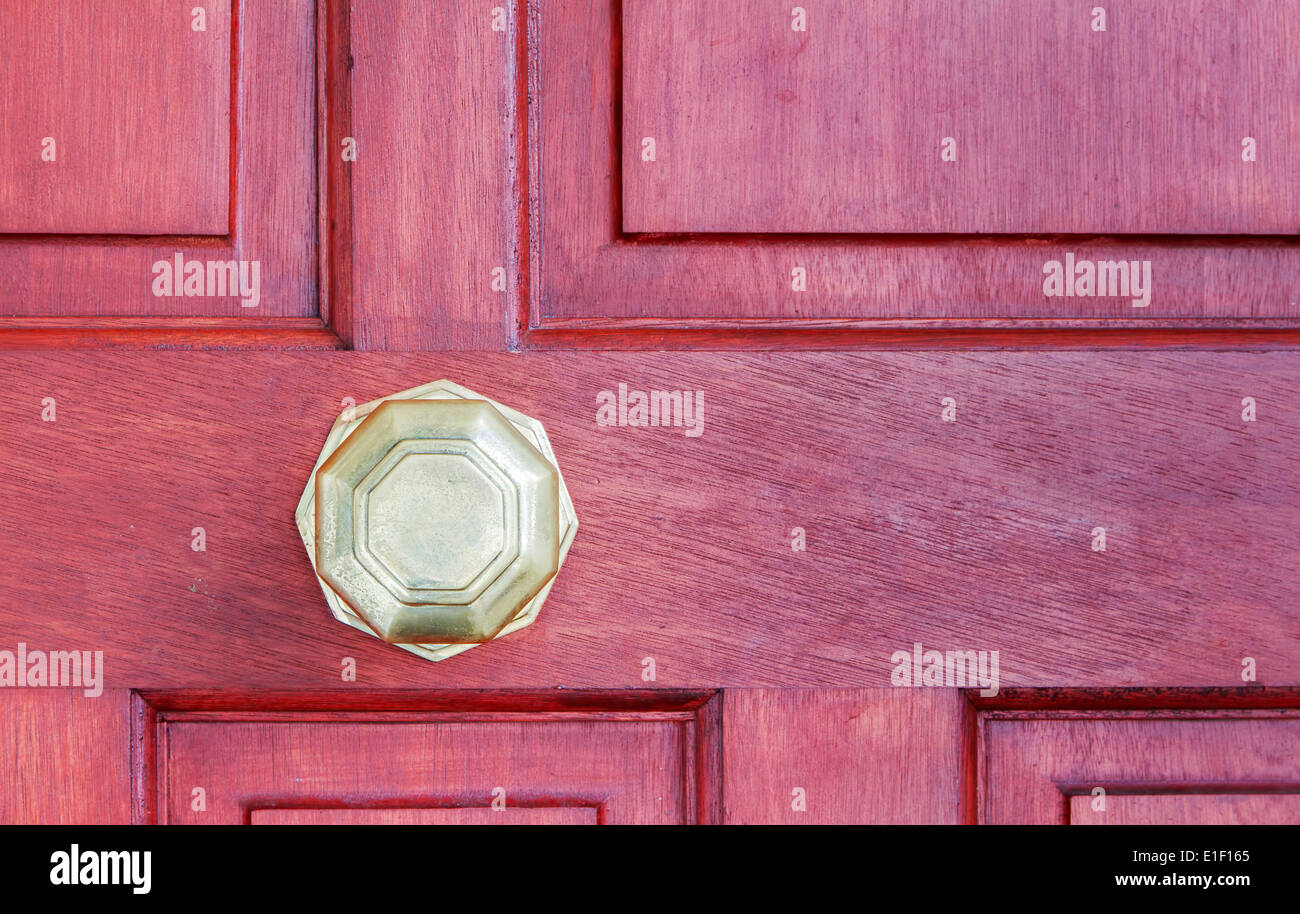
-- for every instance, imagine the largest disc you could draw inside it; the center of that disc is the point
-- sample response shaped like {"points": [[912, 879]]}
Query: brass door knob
{"points": [[436, 519]]}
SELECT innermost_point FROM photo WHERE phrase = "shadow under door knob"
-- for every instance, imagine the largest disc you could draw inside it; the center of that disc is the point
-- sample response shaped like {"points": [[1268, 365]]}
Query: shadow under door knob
{"points": [[436, 519]]}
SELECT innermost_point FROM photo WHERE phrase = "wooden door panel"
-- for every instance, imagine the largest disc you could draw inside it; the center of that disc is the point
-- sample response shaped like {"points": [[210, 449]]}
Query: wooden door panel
{"points": [[745, 756], [844, 756], [169, 142], [537, 208], [837, 128], [425, 758], [917, 530], [795, 756], [1155, 767], [138, 106], [465, 815], [625, 772], [628, 252], [1189, 809]]}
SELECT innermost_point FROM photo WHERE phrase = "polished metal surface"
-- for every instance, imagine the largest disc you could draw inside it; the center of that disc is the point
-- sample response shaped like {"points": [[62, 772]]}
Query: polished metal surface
{"points": [[436, 519]]}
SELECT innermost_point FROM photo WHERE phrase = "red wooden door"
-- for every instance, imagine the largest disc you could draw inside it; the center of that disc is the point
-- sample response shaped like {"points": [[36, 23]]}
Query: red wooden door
{"points": [[987, 313], [1122, 768]]}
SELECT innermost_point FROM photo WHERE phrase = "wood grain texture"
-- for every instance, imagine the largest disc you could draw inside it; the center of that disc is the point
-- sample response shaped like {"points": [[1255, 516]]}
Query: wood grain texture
{"points": [[138, 105], [541, 815], [524, 731], [269, 198], [27, 333], [859, 756], [622, 772], [428, 90], [1058, 128], [68, 757], [260, 704], [972, 535], [903, 335], [1189, 809], [585, 272], [1033, 766], [1139, 698]]}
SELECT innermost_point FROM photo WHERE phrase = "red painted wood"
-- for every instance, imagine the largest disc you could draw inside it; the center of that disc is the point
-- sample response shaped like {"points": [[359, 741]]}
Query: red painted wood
{"points": [[917, 529], [584, 269], [618, 772], [1255, 697], [1058, 128], [166, 333], [527, 202], [458, 733], [1189, 809], [119, 167], [227, 703], [541, 815], [480, 149], [1033, 765], [903, 335], [428, 211], [844, 756], [263, 209], [68, 756]]}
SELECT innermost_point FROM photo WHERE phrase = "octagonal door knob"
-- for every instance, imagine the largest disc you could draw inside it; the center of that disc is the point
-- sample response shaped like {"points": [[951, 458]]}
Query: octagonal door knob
{"points": [[436, 519]]}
